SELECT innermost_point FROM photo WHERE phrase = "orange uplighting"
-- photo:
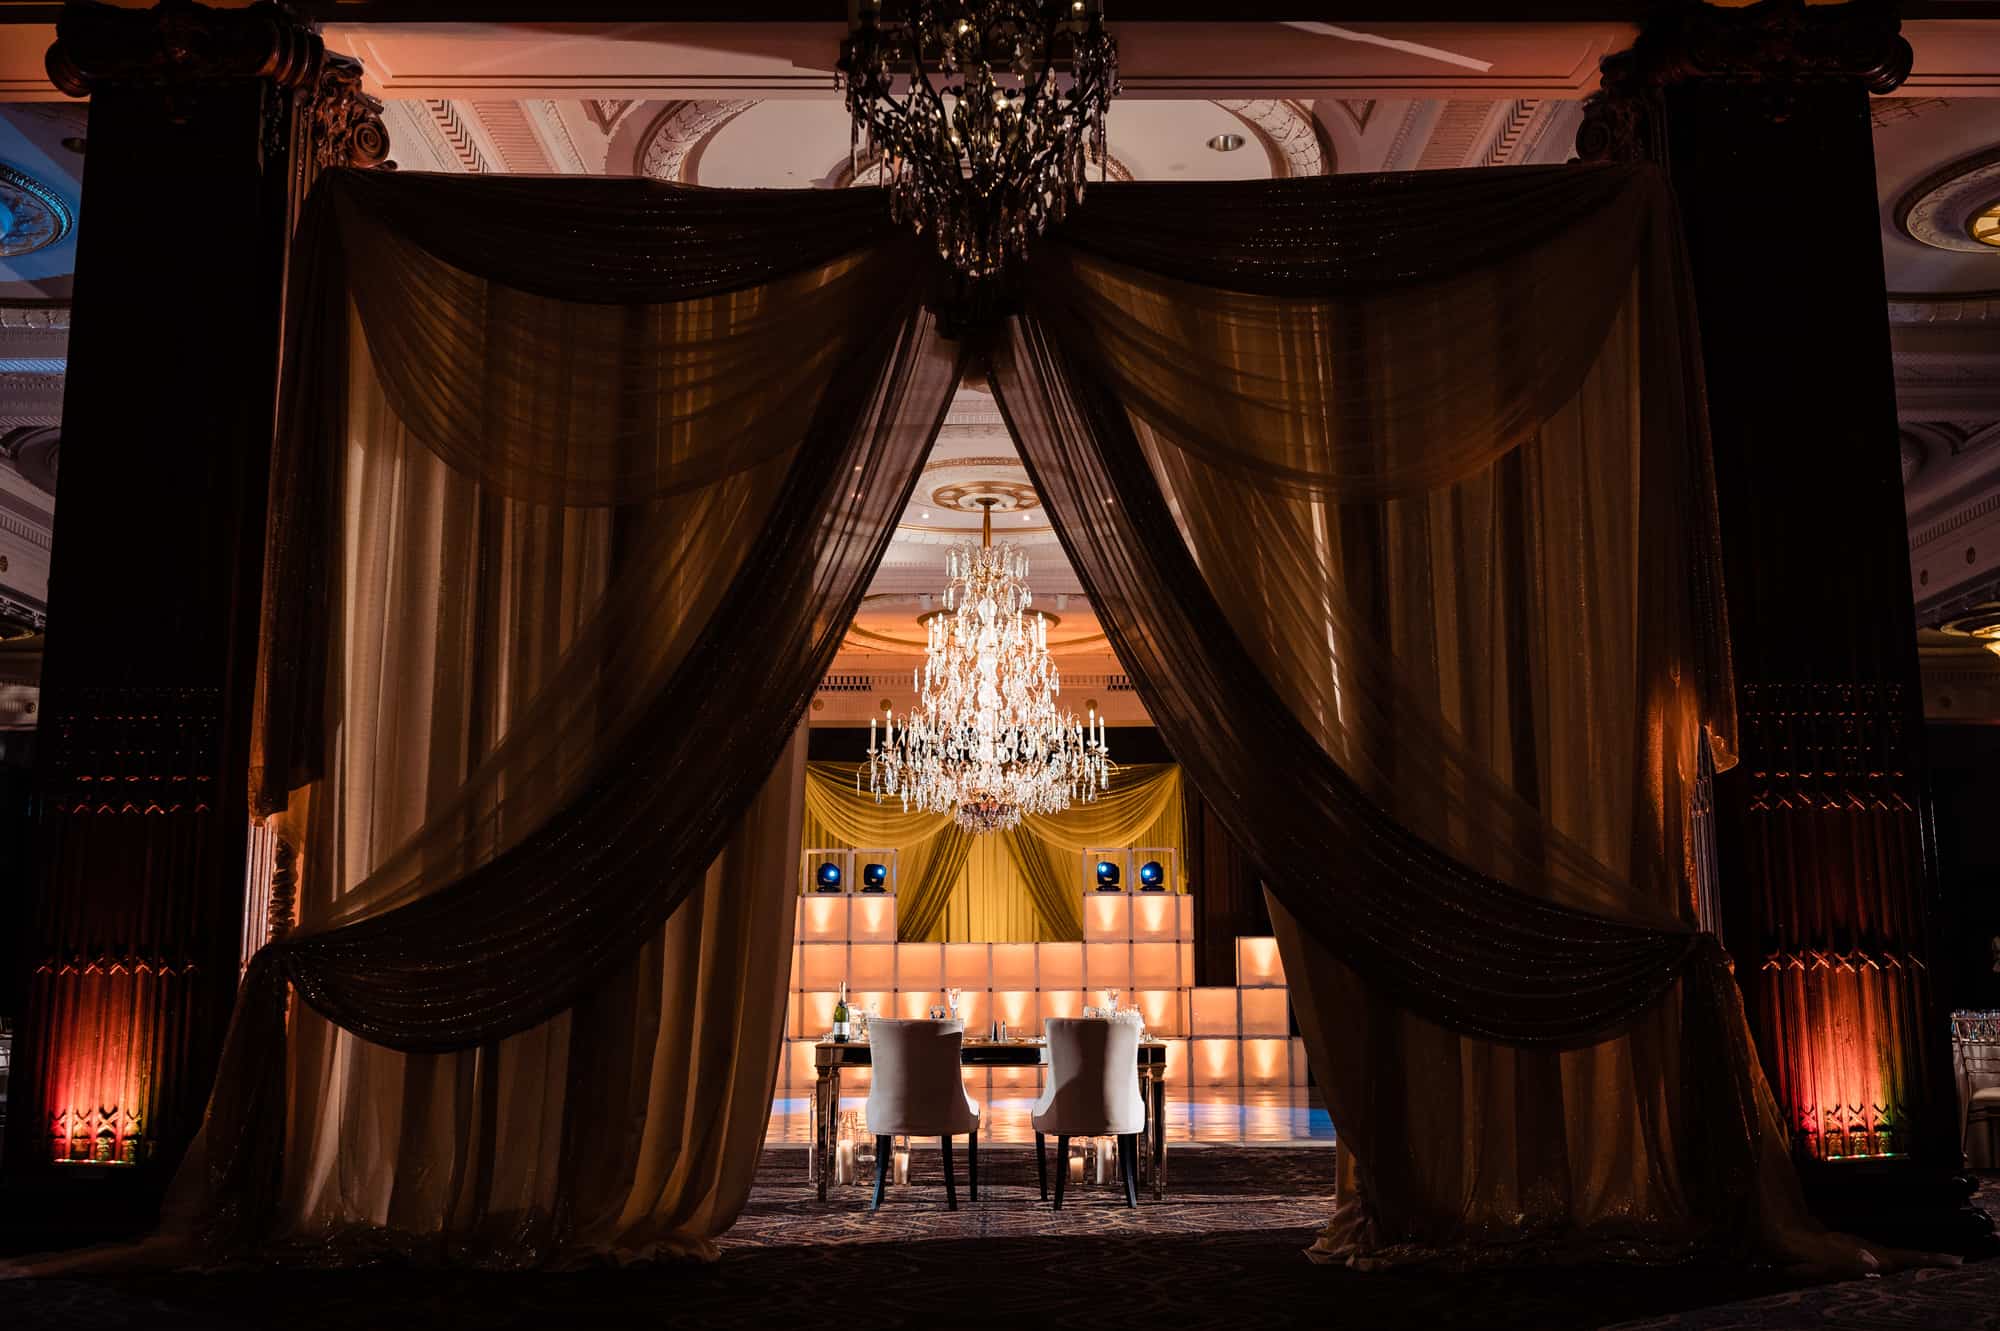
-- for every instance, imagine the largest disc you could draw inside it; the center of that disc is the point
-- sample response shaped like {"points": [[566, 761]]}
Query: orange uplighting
{"points": [[1257, 961], [1213, 1062], [1016, 1007], [1212, 1011], [1154, 916], [1161, 1009], [1107, 916], [874, 919], [1840, 1081], [1061, 1003], [823, 917], [98, 1083], [1267, 1062], [1266, 1012]]}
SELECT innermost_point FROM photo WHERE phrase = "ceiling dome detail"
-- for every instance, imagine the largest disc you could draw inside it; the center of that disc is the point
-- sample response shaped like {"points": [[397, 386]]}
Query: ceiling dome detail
{"points": [[32, 216], [1944, 209]]}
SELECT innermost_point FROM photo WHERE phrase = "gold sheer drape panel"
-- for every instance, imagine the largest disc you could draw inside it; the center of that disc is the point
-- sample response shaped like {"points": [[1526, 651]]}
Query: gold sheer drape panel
{"points": [[1441, 540], [953, 886], [561, 545]]}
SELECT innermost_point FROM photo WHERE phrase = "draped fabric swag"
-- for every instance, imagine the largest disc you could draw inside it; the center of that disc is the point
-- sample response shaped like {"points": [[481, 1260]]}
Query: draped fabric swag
{"points": [[563, 538], [1478, 641], [1466, 661], [1028, 885]]}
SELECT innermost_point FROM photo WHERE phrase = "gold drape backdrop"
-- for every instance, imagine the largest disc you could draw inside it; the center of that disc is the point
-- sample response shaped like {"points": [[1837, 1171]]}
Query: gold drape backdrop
{"points": [[1020, 886]]}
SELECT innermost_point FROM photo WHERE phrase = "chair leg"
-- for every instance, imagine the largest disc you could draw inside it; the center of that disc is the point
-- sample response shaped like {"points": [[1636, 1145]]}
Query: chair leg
{"points": [[1128, 1160], [950, 1183], [884, 1148], [1042, 1165], [972, 1163], [1062, 1166]]}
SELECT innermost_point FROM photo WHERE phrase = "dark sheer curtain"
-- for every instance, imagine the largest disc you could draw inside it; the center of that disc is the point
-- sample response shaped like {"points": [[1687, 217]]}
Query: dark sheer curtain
{"points": [[1421, 505], [733, 390]]}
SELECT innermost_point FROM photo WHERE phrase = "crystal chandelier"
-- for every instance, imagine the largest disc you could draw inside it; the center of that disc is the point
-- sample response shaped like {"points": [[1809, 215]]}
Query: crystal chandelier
{"points": [[988, 741], [1001, 103]]}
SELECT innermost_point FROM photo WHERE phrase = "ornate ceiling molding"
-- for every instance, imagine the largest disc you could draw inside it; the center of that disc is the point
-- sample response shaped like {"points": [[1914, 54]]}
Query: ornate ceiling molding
{"points": [[672, 145], [1939, 208], [1293, 139]]}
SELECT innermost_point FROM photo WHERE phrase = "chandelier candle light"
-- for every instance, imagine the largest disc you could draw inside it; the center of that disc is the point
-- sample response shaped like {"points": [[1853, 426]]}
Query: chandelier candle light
{"points": [[988, 741], [984, 113]]}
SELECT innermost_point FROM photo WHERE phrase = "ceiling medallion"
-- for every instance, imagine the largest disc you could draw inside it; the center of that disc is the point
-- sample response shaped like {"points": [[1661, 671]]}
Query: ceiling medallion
{"points": [[32, 216], [1955, 209], [988, 741], [985, 496], [986, 110]]}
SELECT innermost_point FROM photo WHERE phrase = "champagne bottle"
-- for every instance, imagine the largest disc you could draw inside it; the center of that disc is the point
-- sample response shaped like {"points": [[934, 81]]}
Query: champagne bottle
{"points": [[840, 1016]]}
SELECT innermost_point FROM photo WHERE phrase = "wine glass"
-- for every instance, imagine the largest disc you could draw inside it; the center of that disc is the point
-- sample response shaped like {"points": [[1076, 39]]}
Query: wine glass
{"points": [[951, 1002], [1111, 1000]]}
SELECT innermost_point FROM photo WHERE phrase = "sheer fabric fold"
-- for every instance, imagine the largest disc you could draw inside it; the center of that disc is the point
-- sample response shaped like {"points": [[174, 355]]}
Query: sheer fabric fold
{"points": [[550, 585], [1441, 542]]}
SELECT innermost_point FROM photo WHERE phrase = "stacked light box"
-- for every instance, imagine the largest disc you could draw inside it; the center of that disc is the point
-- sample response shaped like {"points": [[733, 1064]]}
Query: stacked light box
{"points": [[1141, 944]]}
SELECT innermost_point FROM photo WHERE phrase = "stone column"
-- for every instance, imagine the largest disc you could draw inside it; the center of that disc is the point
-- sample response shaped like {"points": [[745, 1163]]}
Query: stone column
{"points": [[205, 127], [1761, 116]]}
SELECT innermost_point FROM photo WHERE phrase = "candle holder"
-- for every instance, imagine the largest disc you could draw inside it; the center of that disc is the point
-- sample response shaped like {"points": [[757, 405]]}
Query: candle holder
{"points": [[900, 1162]]}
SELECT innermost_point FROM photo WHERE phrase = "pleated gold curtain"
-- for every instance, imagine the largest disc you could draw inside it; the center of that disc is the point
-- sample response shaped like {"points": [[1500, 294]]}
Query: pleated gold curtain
{"points": [[1023, 885]]}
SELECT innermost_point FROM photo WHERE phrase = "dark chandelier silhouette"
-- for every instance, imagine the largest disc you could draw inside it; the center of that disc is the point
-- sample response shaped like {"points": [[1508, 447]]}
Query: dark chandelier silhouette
{"points": [[983, 115]]}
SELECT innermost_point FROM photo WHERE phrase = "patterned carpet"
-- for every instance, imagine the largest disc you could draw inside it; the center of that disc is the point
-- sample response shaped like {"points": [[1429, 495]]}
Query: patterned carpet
{"points": [[1222, 1251]]}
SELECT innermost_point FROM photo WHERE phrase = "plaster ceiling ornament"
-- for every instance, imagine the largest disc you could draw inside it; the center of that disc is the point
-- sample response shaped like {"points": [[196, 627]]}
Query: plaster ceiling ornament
{"points": [[672, 146], [1292, 138], [1957, 208], [987, 111], [32, 216], [988, 740]]}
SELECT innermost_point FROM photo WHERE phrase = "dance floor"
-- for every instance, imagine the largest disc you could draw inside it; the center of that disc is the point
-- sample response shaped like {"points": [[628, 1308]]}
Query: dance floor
{"points": [[1223, 1251]]}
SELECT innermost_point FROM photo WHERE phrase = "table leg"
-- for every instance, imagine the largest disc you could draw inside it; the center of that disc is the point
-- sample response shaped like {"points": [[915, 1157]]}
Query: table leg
{"points": [[825, 1123], [1158, 1114]]}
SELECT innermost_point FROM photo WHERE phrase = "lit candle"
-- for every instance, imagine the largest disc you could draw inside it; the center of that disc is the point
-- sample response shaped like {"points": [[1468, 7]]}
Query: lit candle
{"points": [[902, 1171], [1076, 1169], [1107, 1166], [843, 1162]]}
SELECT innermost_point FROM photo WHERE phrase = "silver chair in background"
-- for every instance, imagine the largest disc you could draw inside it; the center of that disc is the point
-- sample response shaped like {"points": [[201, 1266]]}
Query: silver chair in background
{"points": [[916, 1090], [1093, 1091]]}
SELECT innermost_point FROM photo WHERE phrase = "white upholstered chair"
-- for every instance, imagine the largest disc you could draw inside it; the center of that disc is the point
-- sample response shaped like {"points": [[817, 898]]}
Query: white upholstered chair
{"points": [[1975, 1056], [1093, 1091], [916, 1090]]}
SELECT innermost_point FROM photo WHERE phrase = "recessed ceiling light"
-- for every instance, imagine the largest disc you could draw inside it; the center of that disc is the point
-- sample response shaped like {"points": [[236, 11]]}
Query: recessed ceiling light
{"points": [[1226, 143]]}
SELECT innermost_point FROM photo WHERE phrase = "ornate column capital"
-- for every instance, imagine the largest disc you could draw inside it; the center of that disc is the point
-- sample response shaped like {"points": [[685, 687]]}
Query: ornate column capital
{"points": [[347, 128], [178, 43], [1776, 46]]}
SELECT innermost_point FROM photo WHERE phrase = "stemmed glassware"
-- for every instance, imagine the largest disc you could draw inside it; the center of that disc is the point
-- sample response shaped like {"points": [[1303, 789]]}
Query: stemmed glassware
{"points": [[951, 1002]]}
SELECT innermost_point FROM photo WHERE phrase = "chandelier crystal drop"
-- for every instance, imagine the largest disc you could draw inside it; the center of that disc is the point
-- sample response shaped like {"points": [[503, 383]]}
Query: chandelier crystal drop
{"points": [[988, 741], [983, 114]]}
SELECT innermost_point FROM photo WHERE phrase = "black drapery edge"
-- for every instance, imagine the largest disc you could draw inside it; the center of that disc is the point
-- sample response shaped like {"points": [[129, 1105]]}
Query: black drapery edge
{"points": [[645, 242], [1443, 940]]}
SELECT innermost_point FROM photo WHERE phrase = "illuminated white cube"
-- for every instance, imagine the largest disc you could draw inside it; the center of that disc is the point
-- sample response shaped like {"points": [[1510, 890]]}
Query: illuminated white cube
{"points": [[871, 966], [1257, 962], [822, 965], [1014, 965], [873, 918], [1184, 917], [1154, 916], [1016, 1007], [916, 1004], [1177, 1062], [1212, 1011], [884, 1001], [1057, 1003], [920, 966], [1161, 1009], [1266, 1012], [967, 965], [814, 1010], [1267, 1062], [1107, 916], [799, 1065], [1060, 965], [1213, 1062], [1106, 966], [974, 1009], [823, 918], [1156, 965]]}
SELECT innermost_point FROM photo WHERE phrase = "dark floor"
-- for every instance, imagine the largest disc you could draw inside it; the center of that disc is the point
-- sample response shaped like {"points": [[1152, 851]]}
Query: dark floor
{"points": [[1223, 1251]]}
